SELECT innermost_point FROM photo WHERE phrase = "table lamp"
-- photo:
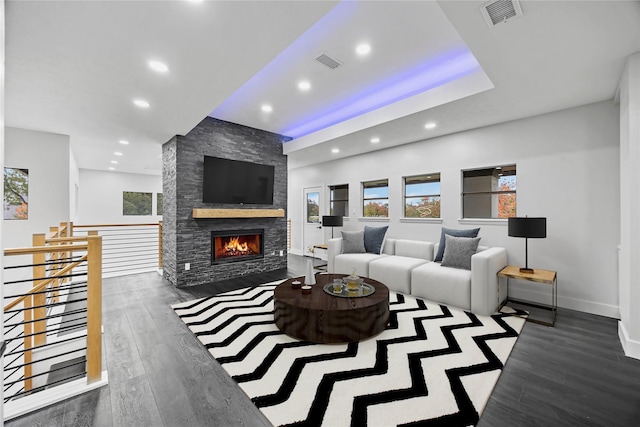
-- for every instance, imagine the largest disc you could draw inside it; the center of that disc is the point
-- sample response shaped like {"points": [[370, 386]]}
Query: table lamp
{"points": [[529, 228], [331, 221]]}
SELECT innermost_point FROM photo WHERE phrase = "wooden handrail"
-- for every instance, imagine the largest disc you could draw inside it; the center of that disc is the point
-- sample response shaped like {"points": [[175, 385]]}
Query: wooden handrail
{"points": [[113, 225], [45, 249], [66, 239]]}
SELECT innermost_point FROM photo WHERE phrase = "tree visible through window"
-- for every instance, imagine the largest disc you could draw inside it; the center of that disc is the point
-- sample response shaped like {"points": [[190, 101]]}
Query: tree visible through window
{"points": [[375, 199], [313, 207], [422, 196], [134, 203], [489, 192], [16, 193]]}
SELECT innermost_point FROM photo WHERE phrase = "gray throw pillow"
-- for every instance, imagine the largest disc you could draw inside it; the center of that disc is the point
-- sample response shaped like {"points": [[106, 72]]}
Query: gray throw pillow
{"points": [[459, 251], [373, 238], [470, 232], [352, 242]]}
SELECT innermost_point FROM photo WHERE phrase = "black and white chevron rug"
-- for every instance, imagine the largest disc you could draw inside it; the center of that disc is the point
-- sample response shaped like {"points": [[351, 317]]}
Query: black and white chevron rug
{"points": [[433, 365]]}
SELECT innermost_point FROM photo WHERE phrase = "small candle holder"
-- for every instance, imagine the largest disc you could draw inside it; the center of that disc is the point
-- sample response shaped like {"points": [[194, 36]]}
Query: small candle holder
{"points": [[296, 284], [306, 289]]}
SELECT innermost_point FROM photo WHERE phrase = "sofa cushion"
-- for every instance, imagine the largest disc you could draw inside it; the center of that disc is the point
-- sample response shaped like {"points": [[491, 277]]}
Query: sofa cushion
{"points": [[389, 246], [373, 238], [414, 249], [470, 232], [353, 242], [445, 285], [395, 271], [458, 251], [346, 263]]}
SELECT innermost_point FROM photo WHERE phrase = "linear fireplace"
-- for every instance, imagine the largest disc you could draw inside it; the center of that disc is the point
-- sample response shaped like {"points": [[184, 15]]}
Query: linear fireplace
{"points": [[236, 245]]}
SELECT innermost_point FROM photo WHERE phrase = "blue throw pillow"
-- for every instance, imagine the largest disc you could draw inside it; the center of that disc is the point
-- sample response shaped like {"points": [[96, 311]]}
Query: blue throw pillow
{"points": [[373, 238], [470, 232]]}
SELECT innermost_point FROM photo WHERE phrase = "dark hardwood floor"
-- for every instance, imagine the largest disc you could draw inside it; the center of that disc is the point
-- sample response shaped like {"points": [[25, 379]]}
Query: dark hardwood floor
{"points": [[574, 374]]}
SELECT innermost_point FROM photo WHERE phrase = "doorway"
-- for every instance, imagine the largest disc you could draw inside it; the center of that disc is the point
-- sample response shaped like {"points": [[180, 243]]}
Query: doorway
{"points": [[313, 234]]}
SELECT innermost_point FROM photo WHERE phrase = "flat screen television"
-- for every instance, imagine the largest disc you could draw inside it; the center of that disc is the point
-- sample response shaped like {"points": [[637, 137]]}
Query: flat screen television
{"points": [[237, 182]]}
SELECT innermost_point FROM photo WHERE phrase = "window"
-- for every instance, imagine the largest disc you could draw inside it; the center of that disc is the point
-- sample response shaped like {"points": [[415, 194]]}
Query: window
{"points": [[422, 196], [489, 193], [159, 204], [313, 207], [339, 200], [134, 203], [375, 198]]}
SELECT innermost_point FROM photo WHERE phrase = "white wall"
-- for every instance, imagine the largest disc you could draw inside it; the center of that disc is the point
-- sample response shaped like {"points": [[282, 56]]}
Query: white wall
{"points": [[47, 157], [629, 275], [100, 196], [567, 170], [74, 185], [2, 190]]}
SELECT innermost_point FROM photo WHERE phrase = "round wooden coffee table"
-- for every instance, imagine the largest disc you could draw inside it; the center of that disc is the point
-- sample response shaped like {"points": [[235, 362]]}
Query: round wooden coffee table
{"points": [[323, 318]]}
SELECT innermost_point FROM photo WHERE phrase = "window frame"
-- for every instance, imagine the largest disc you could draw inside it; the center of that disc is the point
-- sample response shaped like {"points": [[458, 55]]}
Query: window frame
{"points": [[332, 200], [479, 171], [427, 180], [363, 187]]}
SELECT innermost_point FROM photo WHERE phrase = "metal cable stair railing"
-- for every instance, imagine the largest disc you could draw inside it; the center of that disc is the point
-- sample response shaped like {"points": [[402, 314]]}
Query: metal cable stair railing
{"points": [[52, 314]]}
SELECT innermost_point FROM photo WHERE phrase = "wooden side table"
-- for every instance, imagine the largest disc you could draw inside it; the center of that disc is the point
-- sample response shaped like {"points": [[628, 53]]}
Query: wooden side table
{"points": [[325, 247], [539, 276]]}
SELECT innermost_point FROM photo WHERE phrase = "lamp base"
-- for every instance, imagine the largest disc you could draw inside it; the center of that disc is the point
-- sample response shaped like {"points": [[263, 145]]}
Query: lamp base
{"points": [[526, 270]]}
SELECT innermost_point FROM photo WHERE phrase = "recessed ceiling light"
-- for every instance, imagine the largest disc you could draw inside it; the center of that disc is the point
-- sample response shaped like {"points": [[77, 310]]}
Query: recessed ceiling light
{"points": [[111, 168], [158, 66], [114, 162], [304, 85], [430, 125], [267, 108], [375, 140], [123, 142], [363, 49], [117, 153], [335, 150], [141, 103]]}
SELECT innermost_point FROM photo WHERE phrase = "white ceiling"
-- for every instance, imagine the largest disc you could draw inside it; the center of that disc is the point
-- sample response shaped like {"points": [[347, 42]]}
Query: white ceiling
{"points": [[74, 67]]}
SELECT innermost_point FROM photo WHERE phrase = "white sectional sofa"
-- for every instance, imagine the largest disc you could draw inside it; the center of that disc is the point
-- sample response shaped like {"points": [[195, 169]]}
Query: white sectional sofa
{"points": [[407, 266]]}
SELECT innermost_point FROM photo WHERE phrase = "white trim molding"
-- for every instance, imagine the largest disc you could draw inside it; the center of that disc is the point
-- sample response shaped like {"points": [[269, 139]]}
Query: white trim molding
{"points": [[631, 347]]}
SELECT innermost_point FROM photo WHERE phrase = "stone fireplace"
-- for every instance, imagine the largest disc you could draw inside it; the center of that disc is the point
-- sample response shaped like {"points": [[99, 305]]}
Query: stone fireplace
{"points": [[188, 238], [236, 245]]}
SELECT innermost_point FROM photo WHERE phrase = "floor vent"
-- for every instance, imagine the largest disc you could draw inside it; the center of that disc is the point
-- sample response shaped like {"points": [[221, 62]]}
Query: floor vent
{"points": [[328, 61], [500, 11]]}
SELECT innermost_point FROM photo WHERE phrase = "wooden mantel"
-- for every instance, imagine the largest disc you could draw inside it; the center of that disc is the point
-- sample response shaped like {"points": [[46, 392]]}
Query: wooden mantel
{"points": [[237, 213]]}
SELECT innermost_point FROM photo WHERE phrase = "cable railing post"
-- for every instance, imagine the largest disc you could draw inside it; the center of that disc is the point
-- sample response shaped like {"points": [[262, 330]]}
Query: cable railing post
{"points": [[94, 308], [39, 300], [54, 261], [64, 232]]}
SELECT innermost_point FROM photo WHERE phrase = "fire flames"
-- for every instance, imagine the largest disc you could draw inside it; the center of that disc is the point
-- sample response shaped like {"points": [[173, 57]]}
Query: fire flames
{"points": [[235, 246]]}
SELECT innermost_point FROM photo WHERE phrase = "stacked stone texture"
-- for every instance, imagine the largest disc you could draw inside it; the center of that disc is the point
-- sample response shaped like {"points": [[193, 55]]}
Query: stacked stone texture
{"points": [[187, 240]]}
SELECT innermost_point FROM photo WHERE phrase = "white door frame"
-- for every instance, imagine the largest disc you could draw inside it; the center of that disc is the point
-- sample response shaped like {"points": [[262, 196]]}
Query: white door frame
{"points": [[312, 232]]}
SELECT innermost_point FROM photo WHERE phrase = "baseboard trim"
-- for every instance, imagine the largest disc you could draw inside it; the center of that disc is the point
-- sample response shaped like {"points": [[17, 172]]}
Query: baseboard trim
{"points": [[294, 251], [42, 399], [631, 347], [591, 307]]}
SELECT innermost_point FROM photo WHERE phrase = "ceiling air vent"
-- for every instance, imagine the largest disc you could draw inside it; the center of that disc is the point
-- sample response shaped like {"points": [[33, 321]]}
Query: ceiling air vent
{"points": [[500, 11], [328, 61]]}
